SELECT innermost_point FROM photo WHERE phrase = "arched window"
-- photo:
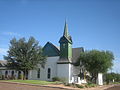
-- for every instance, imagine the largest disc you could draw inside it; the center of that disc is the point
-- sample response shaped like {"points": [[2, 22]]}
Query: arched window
{"points": [[19, 72], [19, 75], [12, 73], [38, 73], [0, 74], [49, 73], [6, 73]]}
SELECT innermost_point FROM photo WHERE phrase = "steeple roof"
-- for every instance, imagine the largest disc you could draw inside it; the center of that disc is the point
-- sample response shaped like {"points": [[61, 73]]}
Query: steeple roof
{"points": [[66, 37], [66, 34]]}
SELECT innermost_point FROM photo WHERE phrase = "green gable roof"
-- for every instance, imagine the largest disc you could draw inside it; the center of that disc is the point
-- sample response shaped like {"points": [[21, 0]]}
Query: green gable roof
{"points": [[50, 50]]}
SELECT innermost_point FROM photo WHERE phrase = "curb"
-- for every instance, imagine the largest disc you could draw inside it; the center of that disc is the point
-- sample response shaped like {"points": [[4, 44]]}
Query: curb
{"points": [[36, 85]]}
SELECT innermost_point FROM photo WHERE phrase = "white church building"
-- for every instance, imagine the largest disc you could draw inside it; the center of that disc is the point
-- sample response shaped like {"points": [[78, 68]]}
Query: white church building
{"points": [[60, 63]]}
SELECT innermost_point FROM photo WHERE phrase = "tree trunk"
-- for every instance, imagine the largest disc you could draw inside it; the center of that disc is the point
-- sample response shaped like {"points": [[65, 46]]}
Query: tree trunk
{"points": [[25, 74], [94, 78]]}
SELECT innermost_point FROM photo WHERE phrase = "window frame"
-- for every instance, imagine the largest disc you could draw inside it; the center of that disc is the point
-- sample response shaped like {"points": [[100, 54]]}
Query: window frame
{"points": [[38, 73], [49, 73]]}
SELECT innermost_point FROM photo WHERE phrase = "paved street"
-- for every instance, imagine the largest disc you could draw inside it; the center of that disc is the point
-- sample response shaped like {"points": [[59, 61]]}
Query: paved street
{"points": [[8, 86]]}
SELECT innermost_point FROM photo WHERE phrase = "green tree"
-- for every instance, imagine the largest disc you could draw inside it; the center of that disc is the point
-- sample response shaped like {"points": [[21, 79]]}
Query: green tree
{"points": [[24, 55], [95, 62], [109, 77]]}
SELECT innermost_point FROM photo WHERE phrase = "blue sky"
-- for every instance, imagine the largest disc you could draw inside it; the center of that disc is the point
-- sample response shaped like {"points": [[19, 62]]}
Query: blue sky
{"points": [[93, 24]]}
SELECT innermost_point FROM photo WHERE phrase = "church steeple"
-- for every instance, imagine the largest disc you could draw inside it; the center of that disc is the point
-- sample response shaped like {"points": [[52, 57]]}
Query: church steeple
{"points": [[66, 37], [66, 30], [66, 45]]}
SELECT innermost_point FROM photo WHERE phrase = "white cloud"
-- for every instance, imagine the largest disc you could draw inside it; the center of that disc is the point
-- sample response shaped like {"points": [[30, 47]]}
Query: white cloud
{"points": [[11, 34]]}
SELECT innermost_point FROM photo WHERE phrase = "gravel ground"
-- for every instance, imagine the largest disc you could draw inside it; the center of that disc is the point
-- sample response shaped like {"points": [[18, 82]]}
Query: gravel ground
{"points": [[8, 86], [13, 86], [117, 87]]}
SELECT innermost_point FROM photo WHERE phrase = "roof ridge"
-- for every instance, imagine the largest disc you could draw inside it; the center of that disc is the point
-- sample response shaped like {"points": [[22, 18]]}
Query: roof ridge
{"points": [[53, 45]]}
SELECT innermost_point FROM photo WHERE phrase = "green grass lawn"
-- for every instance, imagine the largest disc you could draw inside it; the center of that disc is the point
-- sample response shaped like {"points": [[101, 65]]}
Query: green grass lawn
{"points": [[33, 82]]}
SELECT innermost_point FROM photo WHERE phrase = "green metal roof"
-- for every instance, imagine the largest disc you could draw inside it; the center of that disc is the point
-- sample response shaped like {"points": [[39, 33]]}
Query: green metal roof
{"points": [[50, 50]]}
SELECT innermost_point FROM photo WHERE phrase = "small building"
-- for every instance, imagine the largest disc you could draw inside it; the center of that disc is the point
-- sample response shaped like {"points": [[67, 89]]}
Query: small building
{"points": [[7, 73]]}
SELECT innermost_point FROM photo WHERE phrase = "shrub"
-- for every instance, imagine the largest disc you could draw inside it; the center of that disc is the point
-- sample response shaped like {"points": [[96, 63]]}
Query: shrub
{"points": [[13, 77], [70, 84], [74, 85], [55, 79], [79, 86], [67, 84], [63, 80], [21, 76], [88, 85], [3, 77]]}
